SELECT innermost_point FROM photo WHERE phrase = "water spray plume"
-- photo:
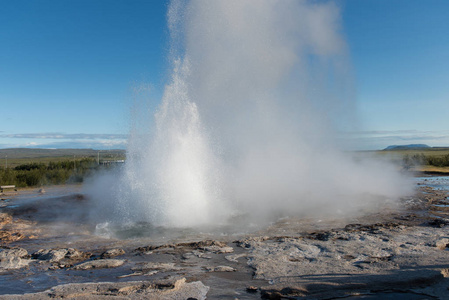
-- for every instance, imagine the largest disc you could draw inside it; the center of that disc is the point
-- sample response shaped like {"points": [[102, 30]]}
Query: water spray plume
{"points": [[247, 123]]}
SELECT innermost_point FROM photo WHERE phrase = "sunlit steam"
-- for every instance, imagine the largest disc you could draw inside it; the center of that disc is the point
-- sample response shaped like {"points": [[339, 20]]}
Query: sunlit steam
{"points": [[247, 123]]}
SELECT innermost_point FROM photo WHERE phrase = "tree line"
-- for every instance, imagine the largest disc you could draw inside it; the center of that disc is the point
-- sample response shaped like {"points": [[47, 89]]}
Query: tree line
{"points": [[38, 174], [421, 159]]}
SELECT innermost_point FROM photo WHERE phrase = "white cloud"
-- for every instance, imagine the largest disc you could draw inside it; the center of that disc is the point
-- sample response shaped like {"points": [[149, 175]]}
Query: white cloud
{"points": [[71, 136], [63, 140], [73, 145]]}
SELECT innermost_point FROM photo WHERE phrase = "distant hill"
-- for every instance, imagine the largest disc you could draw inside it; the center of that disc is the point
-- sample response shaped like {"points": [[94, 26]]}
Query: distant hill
{"points": [[408, 147], [41, 153]]}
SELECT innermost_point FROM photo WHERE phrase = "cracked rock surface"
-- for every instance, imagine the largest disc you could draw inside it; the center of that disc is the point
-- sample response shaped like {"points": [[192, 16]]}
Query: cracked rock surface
{"points": [[392, 252]]}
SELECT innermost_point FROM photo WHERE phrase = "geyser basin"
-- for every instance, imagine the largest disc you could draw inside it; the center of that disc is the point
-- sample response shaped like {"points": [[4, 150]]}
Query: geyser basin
{"points": [[387, 251], [247, 123]]}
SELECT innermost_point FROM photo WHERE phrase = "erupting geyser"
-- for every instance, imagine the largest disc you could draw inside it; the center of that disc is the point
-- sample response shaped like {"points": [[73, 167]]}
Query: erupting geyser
{"points": [[247, 123]]}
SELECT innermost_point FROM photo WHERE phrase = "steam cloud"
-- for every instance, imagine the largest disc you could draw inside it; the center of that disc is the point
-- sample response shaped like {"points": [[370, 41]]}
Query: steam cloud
{"points": [[247, 123]]}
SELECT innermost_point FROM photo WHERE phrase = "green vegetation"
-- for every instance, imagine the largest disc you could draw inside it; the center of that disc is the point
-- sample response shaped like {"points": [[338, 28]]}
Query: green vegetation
{"points": [[38, 174], [14, 157], [432, 159], [421, 159], [437, 161], [37, 167]]}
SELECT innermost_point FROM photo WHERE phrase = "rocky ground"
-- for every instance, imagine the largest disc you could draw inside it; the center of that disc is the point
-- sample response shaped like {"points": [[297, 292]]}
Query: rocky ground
{"points": [[401, 254]]}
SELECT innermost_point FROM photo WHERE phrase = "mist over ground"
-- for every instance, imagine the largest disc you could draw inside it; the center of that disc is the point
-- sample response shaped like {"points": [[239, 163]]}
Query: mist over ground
{"points": [[247, 124]]}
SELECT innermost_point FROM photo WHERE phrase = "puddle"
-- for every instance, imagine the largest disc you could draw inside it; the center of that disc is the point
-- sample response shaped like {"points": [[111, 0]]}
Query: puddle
{"points": [[439, 183], [438, 217], [10, 206], [441, 205]]}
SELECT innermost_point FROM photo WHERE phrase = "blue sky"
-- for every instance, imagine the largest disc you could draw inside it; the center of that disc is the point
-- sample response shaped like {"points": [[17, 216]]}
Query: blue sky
{"points": [[68, 69], [400, 53]]}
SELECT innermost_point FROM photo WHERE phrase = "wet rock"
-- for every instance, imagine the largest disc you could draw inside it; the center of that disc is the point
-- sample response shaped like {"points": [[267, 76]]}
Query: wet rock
{"points": [[252, 289], [13, 258], [12, 230], [69, 255], [5, 219], [192, 245], [218, 249], [339, 286], [50, 255], [170, 289], [76, 254], [8, 236], [319, 236], [187, 255], [19, 252], [112, 253], [221, 269], [100, 264], [439, 223], [372, 228], [322, 262], [202, 244], [235, 257], [204, 252], [42, 191], [165, 267], [407, 217], [201, 254], [149, 273], [251, 241], [283, 293], [271, 260], [8, 232], [442, 243]]}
